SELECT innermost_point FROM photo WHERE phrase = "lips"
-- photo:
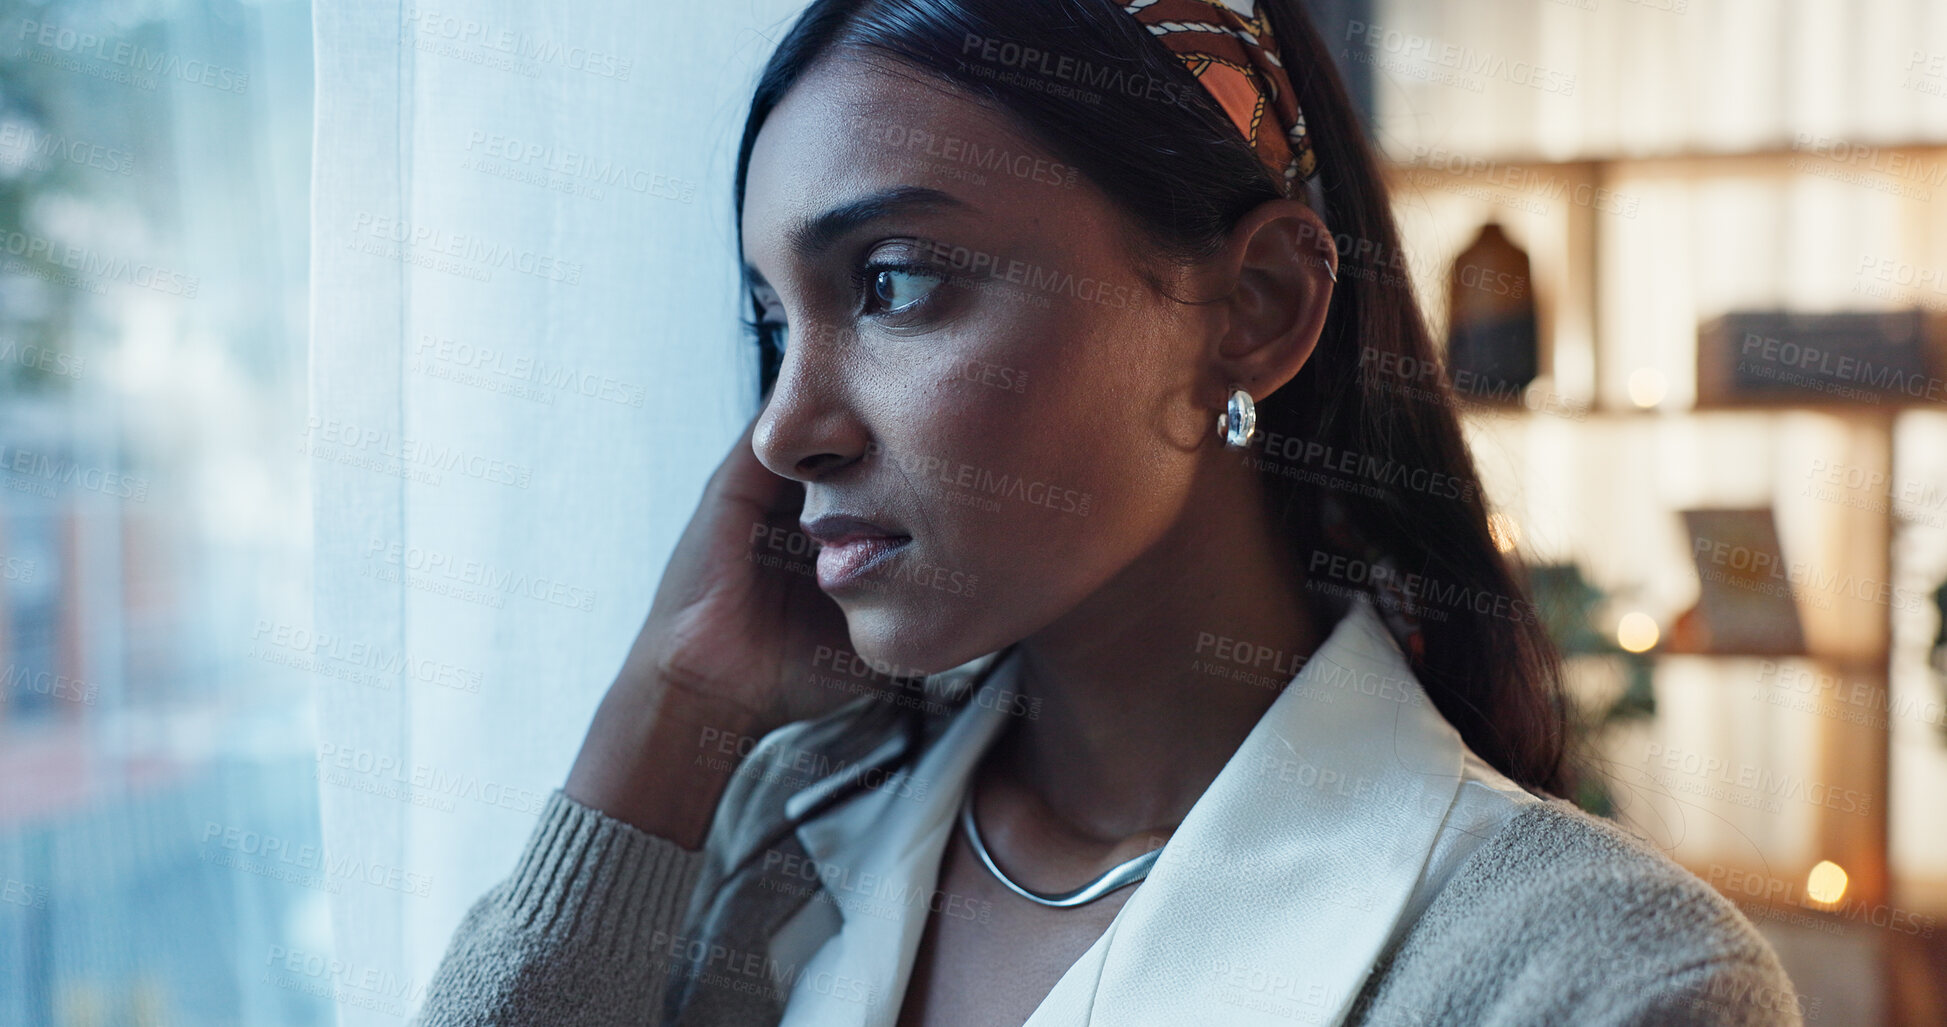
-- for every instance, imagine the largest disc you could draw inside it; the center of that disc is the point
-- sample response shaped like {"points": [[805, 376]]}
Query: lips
{"points": [[850, 547]]}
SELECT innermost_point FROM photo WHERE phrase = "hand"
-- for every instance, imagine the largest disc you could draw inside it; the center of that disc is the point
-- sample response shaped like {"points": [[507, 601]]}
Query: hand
{"points": [[729, 649], [739, 617]]}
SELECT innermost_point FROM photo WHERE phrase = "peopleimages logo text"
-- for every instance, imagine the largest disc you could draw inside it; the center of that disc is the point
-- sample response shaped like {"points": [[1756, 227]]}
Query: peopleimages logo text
{"points": [[110, 50], [84, 261], [494, 580], [1068, 68]]}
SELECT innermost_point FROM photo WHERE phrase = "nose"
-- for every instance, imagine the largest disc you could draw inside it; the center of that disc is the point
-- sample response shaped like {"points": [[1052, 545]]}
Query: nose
{"points": [[809, 428]]}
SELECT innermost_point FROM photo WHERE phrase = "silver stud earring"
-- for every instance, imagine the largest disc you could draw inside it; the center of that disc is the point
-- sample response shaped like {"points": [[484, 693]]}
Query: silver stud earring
{"points": [[1239, 421], [1331, 269]]}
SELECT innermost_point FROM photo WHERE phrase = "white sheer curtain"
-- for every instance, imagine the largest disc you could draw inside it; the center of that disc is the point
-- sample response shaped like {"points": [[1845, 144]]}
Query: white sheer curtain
{"points": [[524, 363]]}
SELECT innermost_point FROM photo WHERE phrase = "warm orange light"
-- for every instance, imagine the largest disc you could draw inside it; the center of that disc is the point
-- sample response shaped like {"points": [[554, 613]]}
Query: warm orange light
{"points": [[1826, 883], [1637, 632]]}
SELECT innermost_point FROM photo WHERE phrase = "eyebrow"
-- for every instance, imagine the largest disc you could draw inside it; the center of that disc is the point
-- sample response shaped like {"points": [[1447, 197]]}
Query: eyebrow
{"points": [[813, 236]]}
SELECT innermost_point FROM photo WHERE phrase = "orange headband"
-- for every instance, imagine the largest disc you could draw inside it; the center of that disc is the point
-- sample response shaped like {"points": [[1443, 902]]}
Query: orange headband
{"points": [[1229, 47]]}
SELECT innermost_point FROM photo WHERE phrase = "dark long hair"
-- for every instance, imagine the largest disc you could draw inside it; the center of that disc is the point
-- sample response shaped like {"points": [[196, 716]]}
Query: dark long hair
{"points": [[1172, 162]]}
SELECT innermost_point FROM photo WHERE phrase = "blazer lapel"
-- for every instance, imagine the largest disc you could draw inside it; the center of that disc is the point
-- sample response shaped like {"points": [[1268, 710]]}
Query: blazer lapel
{"points": [[1277, 893]]}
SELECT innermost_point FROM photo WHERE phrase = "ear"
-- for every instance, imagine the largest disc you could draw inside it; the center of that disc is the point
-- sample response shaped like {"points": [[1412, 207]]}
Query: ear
{"points": [[1272, 284]]}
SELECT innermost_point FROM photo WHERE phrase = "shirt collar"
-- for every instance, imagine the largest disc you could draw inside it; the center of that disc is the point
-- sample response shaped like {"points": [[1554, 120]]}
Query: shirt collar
{"points": [[877, 856], [1272, 899]]}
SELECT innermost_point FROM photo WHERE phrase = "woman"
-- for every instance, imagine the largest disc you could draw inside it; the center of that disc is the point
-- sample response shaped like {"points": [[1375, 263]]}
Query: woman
{"points": [[1157, 665]]}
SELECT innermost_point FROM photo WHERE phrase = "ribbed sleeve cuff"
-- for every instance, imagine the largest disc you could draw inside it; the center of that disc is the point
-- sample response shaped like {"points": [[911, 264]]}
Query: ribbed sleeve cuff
{"points": [[598, 884]]}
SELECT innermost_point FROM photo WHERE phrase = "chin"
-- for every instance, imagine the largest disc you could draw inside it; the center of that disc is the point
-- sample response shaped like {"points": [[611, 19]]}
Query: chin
{"points": [[902, 641]]}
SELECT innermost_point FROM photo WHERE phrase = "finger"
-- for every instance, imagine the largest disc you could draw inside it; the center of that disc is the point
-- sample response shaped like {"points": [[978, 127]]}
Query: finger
{"points": [[742, 477]]}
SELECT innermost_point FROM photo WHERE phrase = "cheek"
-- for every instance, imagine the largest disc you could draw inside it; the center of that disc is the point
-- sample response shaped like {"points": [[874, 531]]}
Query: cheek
{"points": [[1012, 540], [1054, 494], [1109, 424], [1036, 472]]}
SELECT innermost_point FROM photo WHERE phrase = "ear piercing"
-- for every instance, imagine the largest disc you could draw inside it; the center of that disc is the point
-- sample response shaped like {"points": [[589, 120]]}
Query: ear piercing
{"points": [[1239, 420]]}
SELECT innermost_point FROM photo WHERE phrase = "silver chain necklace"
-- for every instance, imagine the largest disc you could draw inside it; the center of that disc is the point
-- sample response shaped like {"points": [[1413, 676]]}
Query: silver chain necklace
{"points": [[1119, 876]]}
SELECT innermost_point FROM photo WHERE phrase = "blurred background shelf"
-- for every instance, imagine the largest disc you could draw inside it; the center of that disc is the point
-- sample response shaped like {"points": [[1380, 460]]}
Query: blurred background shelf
{"points": [[1662, 168]]}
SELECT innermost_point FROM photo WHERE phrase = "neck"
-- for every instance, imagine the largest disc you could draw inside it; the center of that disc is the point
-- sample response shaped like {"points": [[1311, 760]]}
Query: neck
{"points": [[1147, 688]]}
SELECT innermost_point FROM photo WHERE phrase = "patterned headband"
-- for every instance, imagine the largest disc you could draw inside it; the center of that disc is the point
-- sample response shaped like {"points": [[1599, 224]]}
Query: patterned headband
{"points": [[1230, 49]]}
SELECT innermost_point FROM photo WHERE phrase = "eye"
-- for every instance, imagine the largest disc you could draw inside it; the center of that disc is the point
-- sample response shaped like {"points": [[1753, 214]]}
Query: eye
{"points": [[895, 288], [774, 334]]}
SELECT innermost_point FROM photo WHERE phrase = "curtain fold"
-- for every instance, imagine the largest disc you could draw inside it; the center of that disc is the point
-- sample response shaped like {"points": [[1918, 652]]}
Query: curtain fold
{"points": [[525, 361]]}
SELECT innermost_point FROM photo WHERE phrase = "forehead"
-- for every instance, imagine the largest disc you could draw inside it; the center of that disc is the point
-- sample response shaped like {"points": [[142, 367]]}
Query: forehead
{"points": [[855, 125]]}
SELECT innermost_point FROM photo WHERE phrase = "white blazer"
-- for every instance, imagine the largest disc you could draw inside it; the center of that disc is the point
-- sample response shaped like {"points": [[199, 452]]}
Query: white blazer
{"points": [[1333, 825]]}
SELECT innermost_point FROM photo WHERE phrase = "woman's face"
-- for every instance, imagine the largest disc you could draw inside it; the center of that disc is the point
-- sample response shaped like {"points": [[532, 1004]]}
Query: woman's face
{"points": [[974, 369]]}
